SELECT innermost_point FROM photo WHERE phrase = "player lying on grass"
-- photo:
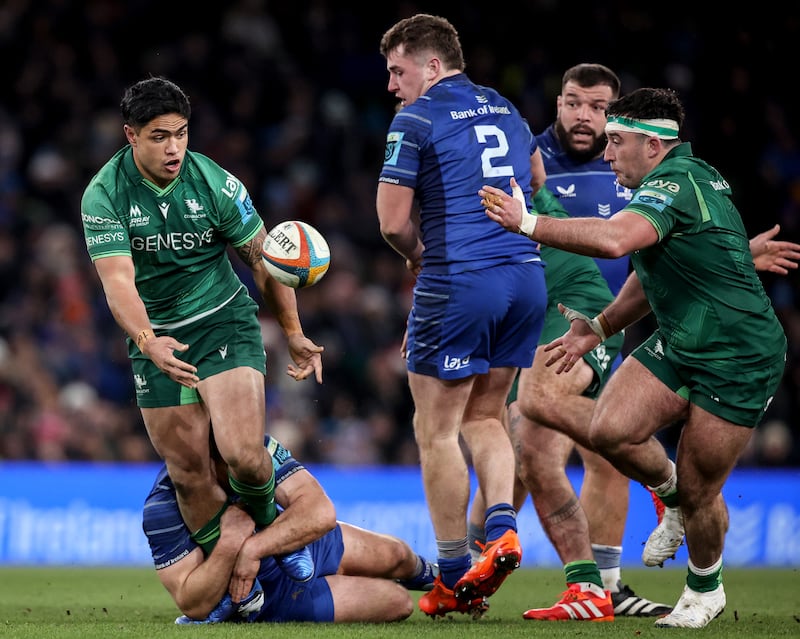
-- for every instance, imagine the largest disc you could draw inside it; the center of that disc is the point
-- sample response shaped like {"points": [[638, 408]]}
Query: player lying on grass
{"points": [[241, 581]]}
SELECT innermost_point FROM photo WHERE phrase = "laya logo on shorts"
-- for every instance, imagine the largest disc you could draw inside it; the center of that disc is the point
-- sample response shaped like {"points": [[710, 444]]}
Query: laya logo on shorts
{"points": [[455, 363]]}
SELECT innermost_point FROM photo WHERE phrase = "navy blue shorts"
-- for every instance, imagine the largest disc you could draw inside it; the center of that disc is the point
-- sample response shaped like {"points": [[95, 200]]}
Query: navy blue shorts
{"points": [[287, 600], [466, 323]]}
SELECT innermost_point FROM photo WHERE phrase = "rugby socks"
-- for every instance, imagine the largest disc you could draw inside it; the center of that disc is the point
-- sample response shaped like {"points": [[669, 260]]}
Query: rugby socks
{"points": [[609, 559], [259, 500], [499, 518], [704, 579], [476, 536], [584, 572], [454, 560], [668, 491], [208, 536]]}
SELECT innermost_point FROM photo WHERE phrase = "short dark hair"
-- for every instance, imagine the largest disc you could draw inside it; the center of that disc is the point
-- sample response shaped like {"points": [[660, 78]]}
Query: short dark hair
{"points": [[424, 32], [150, 98], [649, 104], [589, 74]]}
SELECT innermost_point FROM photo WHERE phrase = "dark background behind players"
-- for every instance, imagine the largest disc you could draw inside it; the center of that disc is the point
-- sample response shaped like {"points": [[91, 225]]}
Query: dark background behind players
{"points": [[291, 98]]}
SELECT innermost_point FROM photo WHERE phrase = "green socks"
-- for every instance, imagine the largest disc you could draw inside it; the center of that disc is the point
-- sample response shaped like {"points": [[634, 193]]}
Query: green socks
{"points": [[208, 535], [583, 572], [259, 500]]}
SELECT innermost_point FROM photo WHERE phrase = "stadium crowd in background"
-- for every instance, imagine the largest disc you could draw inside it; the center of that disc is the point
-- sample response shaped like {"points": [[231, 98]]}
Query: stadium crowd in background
{"points": [[292, 100]]}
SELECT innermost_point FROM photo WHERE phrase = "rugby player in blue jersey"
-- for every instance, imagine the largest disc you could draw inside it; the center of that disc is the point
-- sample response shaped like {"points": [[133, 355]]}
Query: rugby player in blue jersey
{"points": [[479, 297], [240, 581]]}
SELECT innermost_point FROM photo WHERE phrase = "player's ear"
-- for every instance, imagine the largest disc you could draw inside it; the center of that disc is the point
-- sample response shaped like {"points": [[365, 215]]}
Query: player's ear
{"points": [[130, 134], [433, 67]]}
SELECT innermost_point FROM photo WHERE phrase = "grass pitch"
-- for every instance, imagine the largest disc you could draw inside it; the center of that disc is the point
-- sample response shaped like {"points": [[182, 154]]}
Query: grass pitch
{"points": [[90, 603]]}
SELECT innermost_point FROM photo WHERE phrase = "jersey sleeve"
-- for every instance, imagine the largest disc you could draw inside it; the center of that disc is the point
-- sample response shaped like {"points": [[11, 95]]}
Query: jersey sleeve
{"points": [[401, 158], [105, 233], [166, 533]]}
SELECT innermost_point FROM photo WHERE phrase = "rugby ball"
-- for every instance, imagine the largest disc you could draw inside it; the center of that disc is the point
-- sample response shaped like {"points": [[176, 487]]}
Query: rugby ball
{"points": [[296, 254]]}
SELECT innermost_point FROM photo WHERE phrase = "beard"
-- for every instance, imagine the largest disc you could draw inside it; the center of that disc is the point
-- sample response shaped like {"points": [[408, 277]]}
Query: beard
{"points": [[581, 155]]}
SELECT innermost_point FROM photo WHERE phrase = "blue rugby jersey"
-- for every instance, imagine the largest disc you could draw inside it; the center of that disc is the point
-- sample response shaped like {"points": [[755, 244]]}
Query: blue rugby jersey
{"points": [[166, 532], [450, 142], [587, 189]]}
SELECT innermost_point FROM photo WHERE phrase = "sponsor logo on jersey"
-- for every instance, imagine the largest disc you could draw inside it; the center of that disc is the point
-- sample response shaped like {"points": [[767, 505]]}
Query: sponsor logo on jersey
{"points": [[718, 185], [394, 140], [99, 220], [231, 187], [164, 208], [568, 191], [481, 110], [455, 363], [172, 241], [245, 206], [137, 218], [604, 210], [104, 238], [666, 185], [223, 351], [655, 199]]}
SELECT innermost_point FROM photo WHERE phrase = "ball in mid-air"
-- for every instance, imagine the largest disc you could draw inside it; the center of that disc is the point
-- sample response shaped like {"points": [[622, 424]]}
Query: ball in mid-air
{"points": [[296, 254]]}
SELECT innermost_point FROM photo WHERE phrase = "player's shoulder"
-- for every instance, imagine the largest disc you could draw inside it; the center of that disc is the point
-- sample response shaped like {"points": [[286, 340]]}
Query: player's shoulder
{"points": [[111, 178], [200, 168], [197, 163]]}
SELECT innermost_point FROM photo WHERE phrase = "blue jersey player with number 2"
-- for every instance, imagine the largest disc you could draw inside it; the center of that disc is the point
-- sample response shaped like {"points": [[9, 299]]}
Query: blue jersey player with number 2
{"points": [[479, 298]]}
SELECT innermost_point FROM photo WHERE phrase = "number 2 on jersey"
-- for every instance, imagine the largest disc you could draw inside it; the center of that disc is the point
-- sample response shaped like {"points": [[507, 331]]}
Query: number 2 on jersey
{"points": [[486, 133]]}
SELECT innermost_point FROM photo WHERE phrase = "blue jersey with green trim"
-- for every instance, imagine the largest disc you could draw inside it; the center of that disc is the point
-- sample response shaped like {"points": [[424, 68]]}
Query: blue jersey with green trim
{"points": [[586, 189]]}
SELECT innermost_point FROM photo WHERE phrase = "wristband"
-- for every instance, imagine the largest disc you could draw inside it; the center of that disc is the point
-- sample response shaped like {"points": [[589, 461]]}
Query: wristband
{"points": [[143, 336], [603, 321]]}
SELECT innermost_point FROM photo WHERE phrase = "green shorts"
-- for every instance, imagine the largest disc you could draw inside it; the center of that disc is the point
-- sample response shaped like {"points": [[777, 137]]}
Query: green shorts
{"points": [[599, 358], [227, 339], [740, 396]]}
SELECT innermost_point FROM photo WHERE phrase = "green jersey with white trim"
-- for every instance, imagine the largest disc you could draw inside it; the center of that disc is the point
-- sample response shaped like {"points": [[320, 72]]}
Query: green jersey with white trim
{"points": [[177, 236], [699, 277]]}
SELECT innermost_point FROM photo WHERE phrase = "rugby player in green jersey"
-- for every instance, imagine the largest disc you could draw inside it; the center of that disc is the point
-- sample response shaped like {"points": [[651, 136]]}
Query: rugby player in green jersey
{"points": [[716, 357], [158, 220]]}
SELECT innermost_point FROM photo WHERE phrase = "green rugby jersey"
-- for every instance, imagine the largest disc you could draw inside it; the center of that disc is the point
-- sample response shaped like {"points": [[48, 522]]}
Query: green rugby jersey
{"points": [[177, 236], [699, 277]]}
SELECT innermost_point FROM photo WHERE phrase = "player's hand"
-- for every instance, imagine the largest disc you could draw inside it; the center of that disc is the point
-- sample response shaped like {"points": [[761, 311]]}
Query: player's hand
{"points": [[245, 571], [414, 266], [510, 212], [774, 256], [568, 349], [307, 357], [161, 351]]}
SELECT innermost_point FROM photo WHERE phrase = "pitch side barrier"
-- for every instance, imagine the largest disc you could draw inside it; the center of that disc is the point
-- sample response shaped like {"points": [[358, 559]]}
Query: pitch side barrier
{"points": [[90, 514]]}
